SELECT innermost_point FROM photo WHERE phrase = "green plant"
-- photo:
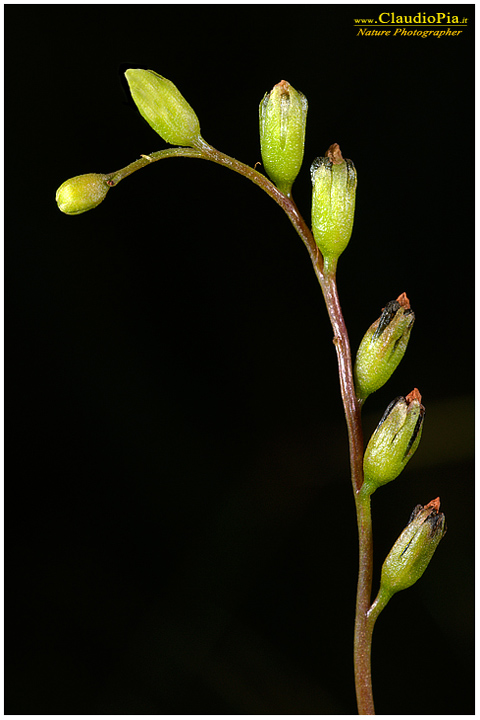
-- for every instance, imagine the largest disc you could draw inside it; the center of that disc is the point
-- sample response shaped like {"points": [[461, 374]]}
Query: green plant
{"points": [[283, 114]]}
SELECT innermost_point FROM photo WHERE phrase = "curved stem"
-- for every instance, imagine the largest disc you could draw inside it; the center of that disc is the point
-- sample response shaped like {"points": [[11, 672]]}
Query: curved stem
{"points": [[204, 151], [115, 177], [325, 271], [285, 202]]}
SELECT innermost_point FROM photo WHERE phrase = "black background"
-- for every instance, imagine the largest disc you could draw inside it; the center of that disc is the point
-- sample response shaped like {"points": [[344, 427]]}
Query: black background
{"points": [[181, 533]]}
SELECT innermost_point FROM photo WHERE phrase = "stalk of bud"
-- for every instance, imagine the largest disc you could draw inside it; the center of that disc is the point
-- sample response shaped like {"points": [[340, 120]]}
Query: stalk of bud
{"points": [[383, 346], [334, 183], [164, 107], [283, 116], [408, 559], [394, 442], [81, 193]]}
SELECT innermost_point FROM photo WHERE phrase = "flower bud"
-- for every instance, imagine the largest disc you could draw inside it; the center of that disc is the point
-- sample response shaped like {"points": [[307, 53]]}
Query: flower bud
{"points": [[334, 183], [394, 441], [81, 193], [283, 116], [164, 107], [408, 559], [383, 346]]}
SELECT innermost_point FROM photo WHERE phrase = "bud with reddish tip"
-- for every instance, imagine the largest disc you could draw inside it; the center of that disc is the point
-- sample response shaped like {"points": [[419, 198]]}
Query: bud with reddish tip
{"points": [[383, 346], [334, 183], [283, 116], [408, 559], [394, 442]]}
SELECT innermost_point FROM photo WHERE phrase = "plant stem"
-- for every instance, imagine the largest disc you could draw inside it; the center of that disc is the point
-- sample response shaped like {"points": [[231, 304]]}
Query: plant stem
{"points": [[286, 203], [326, 275], [204, 151], [363, 634], [352, 407], [115, 177], [363, 645], [325, 270], [345, 372]]}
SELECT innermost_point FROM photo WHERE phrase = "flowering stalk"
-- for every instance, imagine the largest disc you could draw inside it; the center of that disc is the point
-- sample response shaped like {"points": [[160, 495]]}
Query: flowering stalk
{"points": [[282, 131], [327, 281]]}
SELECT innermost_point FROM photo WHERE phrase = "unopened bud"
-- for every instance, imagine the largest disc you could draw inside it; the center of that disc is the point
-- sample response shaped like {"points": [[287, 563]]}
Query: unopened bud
{"points": [[81, 193], [334, 183], [383, 346], [408, 559], [394, 441], [283, 116], [164, 107]]}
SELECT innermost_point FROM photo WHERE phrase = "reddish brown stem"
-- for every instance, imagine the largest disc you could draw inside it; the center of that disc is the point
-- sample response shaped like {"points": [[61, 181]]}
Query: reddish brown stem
{"points": [[326, 275], [286, 203], [347, 385], [362, 634]]}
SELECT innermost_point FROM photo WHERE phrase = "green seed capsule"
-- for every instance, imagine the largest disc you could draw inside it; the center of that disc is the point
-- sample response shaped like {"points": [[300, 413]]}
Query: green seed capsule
{"points": [[394, 442], [334, 183], [81, 193], [164, 107], [408, 559], [383, 346], [283, 116]]}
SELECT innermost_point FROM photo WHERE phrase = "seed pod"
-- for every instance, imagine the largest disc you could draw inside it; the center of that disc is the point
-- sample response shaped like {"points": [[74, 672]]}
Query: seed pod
{"points": [[334, 183], [164, 107], [283, 116], [394, 442], [81, 193], [383, 346], [408, 559]]}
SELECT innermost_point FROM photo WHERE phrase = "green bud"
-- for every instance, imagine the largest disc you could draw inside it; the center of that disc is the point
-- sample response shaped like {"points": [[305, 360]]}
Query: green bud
{"points": [[164, 107], [334, 183], [82, 193], [408, 559], [394, 441], [383, 346], [283, 116]]}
